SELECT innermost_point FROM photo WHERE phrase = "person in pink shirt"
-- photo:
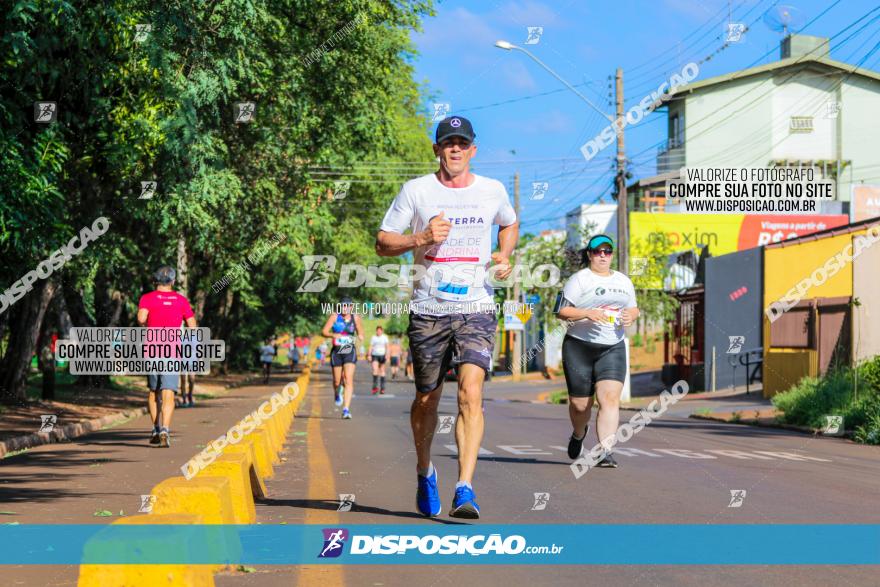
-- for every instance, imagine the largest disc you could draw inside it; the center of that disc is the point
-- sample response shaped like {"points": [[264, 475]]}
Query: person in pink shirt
{"points": [[163, 308]]}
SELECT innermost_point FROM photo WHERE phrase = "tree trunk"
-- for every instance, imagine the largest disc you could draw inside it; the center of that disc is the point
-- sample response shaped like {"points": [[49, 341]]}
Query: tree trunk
{"points": [[76, 308], [25, 328]]}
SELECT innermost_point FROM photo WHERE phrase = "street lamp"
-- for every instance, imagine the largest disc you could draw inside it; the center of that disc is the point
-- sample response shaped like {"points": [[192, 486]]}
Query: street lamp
{"points": [[508, 46], [621, 158]]}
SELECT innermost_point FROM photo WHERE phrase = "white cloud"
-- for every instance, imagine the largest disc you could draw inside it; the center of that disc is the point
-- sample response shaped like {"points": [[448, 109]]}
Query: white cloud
{"points": [[516, 74], [457, 30], [529, 13]]}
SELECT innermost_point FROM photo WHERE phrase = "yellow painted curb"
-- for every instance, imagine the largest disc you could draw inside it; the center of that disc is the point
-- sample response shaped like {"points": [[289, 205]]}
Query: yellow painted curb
{"points": [[272, 437], [271, 425], [211, 497], [235, 467], [248, 448], [262, 452], [283, 418], [149, 575]]}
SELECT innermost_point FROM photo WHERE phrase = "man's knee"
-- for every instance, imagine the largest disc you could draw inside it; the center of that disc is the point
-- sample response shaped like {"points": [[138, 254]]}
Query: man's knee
{"points": [[426, 403], [470, 395]]}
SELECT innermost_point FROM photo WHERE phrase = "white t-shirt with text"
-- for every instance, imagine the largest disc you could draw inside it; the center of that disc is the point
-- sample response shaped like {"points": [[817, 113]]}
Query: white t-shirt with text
{"points": [[378, 344], [453, 282], [611, 293]]}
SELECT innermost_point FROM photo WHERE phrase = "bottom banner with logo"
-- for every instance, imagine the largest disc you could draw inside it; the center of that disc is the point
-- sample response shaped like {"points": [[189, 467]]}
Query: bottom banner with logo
{"points": [[608, 544]]}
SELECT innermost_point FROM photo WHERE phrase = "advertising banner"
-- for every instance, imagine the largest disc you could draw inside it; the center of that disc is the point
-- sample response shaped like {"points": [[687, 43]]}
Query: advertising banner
{"points": [[722, 233], [652, 234], [865, 202]]}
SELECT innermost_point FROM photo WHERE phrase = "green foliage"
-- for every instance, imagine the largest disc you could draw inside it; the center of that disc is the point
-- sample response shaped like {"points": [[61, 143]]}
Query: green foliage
{"points": [[812, 399], [163, 109]]}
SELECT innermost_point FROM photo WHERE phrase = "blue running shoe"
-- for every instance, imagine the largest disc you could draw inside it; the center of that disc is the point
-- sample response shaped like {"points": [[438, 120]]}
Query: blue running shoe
{"points": [[339, 391], [464, 505], [427, 497]]}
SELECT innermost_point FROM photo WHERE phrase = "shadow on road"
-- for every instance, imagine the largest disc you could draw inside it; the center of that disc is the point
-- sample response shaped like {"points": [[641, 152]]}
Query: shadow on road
{"points": [[333, 505]]}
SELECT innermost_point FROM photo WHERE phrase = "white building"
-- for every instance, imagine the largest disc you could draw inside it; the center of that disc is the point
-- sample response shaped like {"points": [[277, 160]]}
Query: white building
{"points": [[804, 110], [602, 216]]}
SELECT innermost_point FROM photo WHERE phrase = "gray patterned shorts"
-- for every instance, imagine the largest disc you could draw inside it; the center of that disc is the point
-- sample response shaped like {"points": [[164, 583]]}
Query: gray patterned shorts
{"points": [[439, 342]]}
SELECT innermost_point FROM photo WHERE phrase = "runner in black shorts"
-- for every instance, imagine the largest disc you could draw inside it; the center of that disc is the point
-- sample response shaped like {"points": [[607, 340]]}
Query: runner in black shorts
{"points": [[450, 215], [342, 328], [600, 303]]}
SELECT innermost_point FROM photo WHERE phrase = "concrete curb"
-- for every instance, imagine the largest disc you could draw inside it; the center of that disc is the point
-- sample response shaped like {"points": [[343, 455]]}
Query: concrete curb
{"points": [[67, 432], [221, 493], [802, 429]]}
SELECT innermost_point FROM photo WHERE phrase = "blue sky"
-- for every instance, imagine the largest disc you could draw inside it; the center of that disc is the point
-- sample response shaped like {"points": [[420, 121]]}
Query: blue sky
{"points": [[585, 42]]}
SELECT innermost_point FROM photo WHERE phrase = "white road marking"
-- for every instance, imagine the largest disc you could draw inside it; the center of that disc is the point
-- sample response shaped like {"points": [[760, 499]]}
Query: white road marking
{"points": [[454, 449], [739, 454], [688, 454], [522, 449]]}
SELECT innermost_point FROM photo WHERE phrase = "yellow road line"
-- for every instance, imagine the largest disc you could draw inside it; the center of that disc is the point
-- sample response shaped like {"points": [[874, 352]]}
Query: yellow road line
{"points": [[322, 487]]}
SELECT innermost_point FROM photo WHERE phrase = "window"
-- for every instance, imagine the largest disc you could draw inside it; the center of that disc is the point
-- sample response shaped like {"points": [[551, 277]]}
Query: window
{"points": [[677, 135], [801, 124]]}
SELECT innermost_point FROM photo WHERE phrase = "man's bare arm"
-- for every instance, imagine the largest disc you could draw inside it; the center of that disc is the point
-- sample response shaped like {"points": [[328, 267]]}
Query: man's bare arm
{"points": [[391, 244], [507, 239]]}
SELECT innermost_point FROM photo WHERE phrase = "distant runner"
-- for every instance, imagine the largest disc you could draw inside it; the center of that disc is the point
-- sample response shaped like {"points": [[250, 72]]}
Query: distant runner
{"points": [[601, 302], [394, 354], [450, 214], [163, 308], [378, 356], [343, 328], [267, 355]]}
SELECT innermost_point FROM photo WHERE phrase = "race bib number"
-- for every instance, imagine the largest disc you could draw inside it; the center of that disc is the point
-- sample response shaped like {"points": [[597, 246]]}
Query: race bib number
{"points": [[449, 287], [342, 340], [613, 317]]}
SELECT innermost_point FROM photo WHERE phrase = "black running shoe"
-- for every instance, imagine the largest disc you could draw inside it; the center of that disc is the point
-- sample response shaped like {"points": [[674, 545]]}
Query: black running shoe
{"points": [[576, 445], [154, 438], [608, 461]]}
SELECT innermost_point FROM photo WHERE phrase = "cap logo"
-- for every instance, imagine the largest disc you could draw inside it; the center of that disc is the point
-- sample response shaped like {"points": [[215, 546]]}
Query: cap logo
{"points": [[455, 123]]}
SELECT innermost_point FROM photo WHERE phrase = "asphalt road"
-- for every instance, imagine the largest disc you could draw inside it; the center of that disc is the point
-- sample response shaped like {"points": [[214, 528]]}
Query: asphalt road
{"points": [[677, 470]]}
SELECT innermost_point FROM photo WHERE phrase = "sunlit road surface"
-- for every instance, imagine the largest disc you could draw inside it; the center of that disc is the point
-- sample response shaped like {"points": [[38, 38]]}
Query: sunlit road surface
{"points": [[675, 471]]}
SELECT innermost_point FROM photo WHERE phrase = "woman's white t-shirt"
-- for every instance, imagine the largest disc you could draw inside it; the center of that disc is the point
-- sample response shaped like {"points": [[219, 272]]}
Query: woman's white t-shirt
{"points": [[611, 293]]}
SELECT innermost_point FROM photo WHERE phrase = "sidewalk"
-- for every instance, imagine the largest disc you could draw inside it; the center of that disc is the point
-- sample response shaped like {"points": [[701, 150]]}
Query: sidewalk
{"points": [[82, 411]]}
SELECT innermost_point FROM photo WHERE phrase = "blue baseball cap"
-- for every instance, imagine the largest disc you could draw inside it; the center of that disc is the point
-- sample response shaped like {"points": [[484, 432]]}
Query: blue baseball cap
{"points": [[599, 239]]}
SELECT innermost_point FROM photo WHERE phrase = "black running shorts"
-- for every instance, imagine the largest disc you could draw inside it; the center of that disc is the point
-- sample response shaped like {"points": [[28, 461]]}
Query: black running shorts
{"points": [[586, 363], [339, 356], [379, 358]]}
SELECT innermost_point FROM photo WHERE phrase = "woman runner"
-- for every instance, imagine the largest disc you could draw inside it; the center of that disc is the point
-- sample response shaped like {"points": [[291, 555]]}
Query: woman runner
{"points": [[600, 302], [342, 328]]}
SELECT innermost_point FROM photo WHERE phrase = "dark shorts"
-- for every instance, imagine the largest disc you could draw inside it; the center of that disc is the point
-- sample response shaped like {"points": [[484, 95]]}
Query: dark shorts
{"points": [[157, 381], [586, 363], [342, 356], [395, 361], [379, 358], [438, 342]]}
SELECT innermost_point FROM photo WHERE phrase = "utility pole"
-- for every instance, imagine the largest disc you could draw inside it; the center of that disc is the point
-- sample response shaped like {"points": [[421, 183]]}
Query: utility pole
{"points": [[622, 228], [517, 339]]}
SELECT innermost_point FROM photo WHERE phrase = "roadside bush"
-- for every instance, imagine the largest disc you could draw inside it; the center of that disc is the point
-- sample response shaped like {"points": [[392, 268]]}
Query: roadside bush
{"points": [[812, 399]]}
